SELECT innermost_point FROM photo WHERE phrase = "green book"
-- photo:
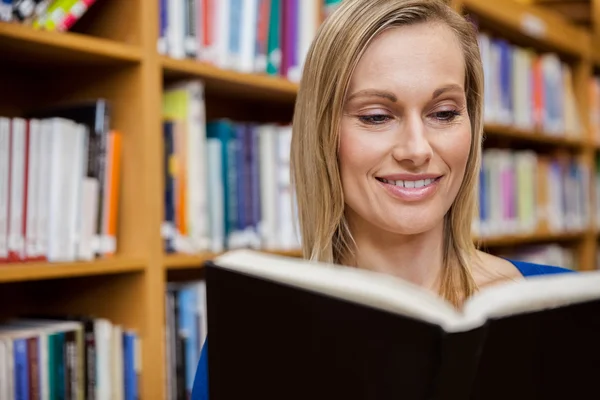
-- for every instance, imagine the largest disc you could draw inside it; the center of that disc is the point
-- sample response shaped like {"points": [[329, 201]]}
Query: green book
{"points": [[274, 39]]}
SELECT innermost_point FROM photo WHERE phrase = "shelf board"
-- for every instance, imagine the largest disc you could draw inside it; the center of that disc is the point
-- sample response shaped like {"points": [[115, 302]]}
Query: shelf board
{"points": [[532, 25], [231, 83], [23, 44], [596, 51], [500, 131], [188, 261], [27, 271], [524, 239]]}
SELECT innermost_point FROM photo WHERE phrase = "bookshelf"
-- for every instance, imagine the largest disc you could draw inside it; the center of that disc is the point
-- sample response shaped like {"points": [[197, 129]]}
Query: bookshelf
{"points": [[112, 53]]}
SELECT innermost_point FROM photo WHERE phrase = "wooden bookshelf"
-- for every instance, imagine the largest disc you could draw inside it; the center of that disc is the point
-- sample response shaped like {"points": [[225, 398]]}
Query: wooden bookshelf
{"points": [[530, 25], [27, 44], [27, 271], [521, 239], [254, 86], [113, 54], [508, 132]]}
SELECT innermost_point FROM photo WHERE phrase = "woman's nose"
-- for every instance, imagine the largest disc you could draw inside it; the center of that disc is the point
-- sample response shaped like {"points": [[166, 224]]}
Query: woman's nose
{"points": [[412, 145]]}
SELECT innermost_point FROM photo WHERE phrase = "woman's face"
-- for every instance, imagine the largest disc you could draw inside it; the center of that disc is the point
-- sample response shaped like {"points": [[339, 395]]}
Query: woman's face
{"points": [[405, 131]]}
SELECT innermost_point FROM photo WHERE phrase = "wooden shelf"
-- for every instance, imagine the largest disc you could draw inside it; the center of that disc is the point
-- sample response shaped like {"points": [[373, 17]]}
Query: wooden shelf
{"points": [[187, 261], [231, 83], [596, 51], [501, 131], [532, 24], [26, 271], [524, 239], [23, 44]]}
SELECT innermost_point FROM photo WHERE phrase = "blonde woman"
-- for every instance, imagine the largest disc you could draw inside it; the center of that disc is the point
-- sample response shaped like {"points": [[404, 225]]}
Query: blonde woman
{"points": [[386, 149]]}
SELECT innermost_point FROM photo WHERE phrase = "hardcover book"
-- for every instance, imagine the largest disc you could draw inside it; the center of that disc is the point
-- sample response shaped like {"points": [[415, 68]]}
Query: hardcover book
{"points": [[284, 328]]}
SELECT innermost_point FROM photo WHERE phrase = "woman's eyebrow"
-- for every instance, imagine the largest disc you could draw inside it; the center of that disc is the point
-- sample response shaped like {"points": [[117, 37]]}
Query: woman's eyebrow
{"points": [[374, 92], [452, 87]]}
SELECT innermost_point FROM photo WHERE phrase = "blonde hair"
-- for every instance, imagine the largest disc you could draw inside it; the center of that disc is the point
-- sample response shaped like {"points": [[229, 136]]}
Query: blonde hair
{"points": [[330, 62]]}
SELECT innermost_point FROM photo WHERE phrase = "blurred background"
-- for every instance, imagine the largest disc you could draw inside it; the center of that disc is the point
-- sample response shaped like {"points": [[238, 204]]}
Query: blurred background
{"points": [[138, 139]]}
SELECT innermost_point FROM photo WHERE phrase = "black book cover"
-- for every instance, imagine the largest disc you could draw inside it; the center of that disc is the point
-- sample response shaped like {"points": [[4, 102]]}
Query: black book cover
{"points": [[271, 339]]}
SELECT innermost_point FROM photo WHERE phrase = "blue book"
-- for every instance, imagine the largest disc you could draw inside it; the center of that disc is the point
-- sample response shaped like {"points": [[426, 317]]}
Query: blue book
{"points": [[21, 373], [224, 131], [187, 296]]}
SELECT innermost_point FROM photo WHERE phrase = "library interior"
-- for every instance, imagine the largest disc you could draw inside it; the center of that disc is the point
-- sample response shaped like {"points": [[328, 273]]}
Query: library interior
{"points": [[110, 301]]}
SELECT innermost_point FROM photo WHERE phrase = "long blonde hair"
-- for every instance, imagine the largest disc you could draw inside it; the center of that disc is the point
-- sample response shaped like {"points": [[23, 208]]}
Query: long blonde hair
{"points": [[331, 60]]}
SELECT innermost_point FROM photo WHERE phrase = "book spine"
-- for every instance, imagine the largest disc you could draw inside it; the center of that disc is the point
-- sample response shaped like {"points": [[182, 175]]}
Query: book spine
{"points": [[5, 164], [21, 372], [33, 364]]}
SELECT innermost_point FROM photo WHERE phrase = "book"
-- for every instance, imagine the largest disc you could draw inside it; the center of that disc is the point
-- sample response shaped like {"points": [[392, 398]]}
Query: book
{"points": [[290, 328]]}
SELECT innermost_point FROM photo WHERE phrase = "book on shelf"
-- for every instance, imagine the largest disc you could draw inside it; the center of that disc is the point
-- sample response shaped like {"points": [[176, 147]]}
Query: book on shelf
{"points": [[324, 331], [68, 357], [524, 192], [527, 90], [49, 15], [59, 184], [265, 36], [594, 96], [246, 165], [185, 333]]}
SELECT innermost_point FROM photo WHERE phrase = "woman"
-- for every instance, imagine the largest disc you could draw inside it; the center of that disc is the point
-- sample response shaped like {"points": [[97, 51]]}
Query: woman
{"points": [[386, 149]]}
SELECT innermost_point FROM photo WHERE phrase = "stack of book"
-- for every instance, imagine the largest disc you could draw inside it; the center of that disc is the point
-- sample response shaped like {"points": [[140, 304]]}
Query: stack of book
{"points": [[523, 192], [267, 36], [527, 90], [59, 184], [50, 15], [227, 183], [68, 358]]}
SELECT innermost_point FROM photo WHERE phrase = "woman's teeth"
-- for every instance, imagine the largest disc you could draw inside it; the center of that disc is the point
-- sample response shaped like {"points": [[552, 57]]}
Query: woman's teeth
{"points": [[409, 184]]}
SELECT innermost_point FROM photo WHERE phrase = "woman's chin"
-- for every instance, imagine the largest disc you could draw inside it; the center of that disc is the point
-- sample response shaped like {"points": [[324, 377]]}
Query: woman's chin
{"points": [[407, 228]]}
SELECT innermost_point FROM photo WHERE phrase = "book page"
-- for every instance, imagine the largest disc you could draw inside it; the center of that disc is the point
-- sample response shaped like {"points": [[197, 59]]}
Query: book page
{"points": [[366, 287], [535, 293]]}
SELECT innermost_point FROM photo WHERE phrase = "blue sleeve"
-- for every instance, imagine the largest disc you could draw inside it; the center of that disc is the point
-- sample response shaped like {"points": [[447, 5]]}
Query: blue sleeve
{"points": [[200, 388]]}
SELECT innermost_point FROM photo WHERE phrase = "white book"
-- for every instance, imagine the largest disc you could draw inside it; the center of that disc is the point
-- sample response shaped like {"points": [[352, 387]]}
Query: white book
{"points": [[80, 134], [103, 333], [59, 192], [221, 33], [90, 191], [248, 33], [268, 185], [4, 375], [16, 240], [4, 185], [116, 369], [175, 28], [33, 187], [45, 189]]}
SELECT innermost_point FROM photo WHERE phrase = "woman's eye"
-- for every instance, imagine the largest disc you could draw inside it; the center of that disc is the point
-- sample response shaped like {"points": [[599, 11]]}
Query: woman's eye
{"points": [[446, 116], [374, 119]]}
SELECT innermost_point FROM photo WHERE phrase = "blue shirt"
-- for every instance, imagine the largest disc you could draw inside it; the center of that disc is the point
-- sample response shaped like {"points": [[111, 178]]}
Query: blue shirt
{"points": [[200, 388]]}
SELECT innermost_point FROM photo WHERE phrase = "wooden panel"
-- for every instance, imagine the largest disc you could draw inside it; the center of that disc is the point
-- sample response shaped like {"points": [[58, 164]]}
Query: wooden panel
{"points": [[118, 20], [109, 296], [122, 87], [190, 261], [248, 110], [232, 84], [25, 46], [15, 272], [16, 87], [152, 383], [533, 138], [530, 26], [520, 239]]}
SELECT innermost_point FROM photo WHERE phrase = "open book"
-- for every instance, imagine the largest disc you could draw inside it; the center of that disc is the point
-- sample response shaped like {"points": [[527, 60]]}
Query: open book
{"points": [[286, 328]]}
